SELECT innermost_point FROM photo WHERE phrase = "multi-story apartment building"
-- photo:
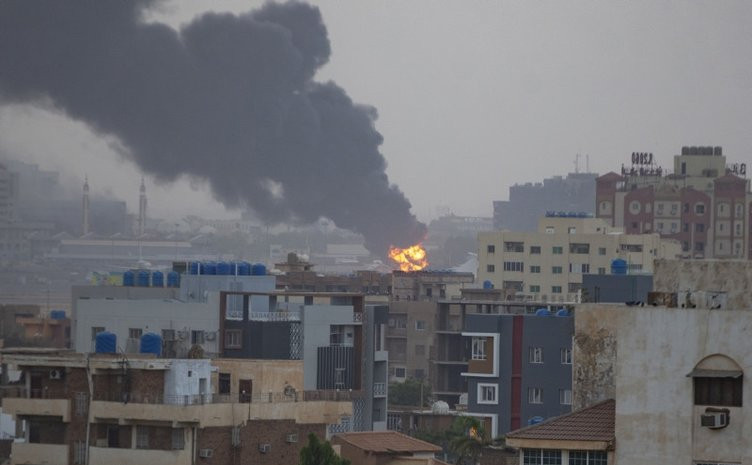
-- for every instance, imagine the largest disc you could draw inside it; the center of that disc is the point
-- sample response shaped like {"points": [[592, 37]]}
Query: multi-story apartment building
{"points": [[703, 204], [548, 265], [528, 202], [410, 334], [106, 408]]}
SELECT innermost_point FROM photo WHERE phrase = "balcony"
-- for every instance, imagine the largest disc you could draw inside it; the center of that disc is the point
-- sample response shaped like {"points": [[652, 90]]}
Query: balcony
{"points": [[379, 389], [106, 456], [47, 454], [45, 407]]}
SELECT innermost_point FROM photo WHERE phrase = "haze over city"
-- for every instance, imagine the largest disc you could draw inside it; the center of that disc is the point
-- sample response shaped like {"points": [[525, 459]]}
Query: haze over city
{"points": [[472, 98]]}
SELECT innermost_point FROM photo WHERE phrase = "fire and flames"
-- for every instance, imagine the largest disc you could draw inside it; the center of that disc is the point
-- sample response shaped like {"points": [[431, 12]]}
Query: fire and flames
{"points": [[412, 258]]}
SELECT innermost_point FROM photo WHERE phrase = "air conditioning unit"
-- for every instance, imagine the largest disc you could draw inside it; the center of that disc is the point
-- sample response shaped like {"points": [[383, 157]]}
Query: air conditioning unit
{"points": [[292, 438], [211, 335], [264, 448], [206, 453], [714, 420], [56, 374]]}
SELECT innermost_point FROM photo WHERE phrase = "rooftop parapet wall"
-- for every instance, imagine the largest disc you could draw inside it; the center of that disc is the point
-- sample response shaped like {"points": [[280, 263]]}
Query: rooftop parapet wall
{"points": [[727, 276]]}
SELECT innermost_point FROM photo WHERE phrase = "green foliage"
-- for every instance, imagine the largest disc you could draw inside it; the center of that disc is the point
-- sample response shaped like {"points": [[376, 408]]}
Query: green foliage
{"points": [[467, 438], [320, 453], [408, 393]]}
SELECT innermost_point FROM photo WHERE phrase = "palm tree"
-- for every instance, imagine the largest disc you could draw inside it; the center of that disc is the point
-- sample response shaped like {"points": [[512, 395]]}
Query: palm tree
{"points": [[468, 444]]}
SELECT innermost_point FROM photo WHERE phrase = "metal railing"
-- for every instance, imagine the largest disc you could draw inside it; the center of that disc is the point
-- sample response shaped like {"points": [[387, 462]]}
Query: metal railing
{"points": [[274, 316], [203, 399], [21, 392], [379, 389]]}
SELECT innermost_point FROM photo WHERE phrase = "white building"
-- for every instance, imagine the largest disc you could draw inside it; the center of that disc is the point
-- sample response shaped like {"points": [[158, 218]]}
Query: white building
{"points": [[548, 265]]}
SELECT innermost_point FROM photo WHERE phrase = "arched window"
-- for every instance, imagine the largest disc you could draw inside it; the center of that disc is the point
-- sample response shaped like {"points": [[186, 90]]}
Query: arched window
{"points": [[717, 381]]}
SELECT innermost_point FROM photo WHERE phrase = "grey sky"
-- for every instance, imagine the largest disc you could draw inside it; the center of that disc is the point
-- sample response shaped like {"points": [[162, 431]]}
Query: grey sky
{"points": [[474, 96]]}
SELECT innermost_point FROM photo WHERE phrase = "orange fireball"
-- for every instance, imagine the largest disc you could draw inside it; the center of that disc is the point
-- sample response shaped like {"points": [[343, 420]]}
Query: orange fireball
{"points": [[412, 258]]}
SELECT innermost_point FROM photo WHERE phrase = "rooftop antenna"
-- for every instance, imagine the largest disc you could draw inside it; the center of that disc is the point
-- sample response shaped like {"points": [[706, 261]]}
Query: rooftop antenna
{"points": [[587, 163], [577, 163]]}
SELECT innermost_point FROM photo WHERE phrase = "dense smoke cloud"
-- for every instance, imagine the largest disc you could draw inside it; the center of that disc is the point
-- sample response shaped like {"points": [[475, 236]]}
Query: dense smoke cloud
{"points": [[227, 98]]}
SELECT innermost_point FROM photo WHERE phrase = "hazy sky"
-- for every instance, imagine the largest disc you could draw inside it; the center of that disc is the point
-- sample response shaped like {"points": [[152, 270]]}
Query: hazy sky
{"points": [[474, 96]]}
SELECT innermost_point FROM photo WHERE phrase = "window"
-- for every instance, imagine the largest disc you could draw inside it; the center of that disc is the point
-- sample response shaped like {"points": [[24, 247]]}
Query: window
{"points": [[686, 208], [225, 382], [674, 209], [633, 247], [535, 268], [660, 226], [479, 348], [634, 207], [550, 230], [399, 372], [514, 246], [491, 248], [699, 208], [490, 268], [178, 439], [233, 338], [420, 325], [588, 457], [601, 251], [685, 228], [557, 250], [565, 396], [420, 350], [556, 289], [514, 266], [659, 209], [197, 337], [534, 288], [579, 248], [574, 287], [572, 230], [739, 210], [419, 373], [566, 356], [699, 227], [142, 437], [723, 392], [487, 393], [699, 246], [135, 333], [556, 270], [535, 250], [541, 457], [429, 292], [534, 395], [602, 270], [535, 354]]}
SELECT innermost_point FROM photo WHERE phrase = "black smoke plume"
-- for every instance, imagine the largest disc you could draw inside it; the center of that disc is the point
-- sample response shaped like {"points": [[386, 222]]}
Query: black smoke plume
{"points": [[227, 98]]}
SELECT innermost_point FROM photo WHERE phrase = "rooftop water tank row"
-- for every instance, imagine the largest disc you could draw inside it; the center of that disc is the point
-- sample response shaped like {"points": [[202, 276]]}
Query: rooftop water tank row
{"points": [[618, 266], [227, 268], [106, 343], [546, 312], [146, 278]]}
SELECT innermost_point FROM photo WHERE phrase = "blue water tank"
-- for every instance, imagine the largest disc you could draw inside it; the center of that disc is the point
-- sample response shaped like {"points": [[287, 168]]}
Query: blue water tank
{"points": [[534, 420], [562, 312], [142, 278], [258, 269], [223, 268], [57, 314], [487, 284], [618, 266], [209, 268], [129, 279], [151, 343], [157, 279], [173, 279], [195, 266], [542, 312], [244, 269], [105, 343]]}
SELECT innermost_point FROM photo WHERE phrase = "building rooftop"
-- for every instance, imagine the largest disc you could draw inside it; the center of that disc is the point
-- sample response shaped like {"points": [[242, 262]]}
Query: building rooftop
{"points": [[594, 423], [387, 442]]}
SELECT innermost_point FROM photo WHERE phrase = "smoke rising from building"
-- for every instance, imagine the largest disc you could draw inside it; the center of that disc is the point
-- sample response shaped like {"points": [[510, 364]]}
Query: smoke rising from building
{"points": [[227, 98]]}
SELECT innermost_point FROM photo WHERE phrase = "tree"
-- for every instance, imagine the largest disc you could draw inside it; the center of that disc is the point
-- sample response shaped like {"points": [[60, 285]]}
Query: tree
{"points": [[409, 393], [320, 453], [469, 439]]}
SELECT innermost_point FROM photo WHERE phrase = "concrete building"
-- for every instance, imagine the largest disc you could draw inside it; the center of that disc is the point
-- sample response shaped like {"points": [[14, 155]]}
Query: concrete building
{"points": [[428, 285], [616, 288], [519, 368], [451, 353], [528, 202], [700, 282], [338, 337], [704, 204], [76, 409], [548, 265]]}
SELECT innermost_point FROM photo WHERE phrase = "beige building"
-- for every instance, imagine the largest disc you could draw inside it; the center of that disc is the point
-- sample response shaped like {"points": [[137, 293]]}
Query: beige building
{"points": [[547, 265]]}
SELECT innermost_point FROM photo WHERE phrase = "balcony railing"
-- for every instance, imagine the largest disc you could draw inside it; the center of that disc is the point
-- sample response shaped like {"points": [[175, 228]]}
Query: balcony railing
{"points": [[21, 392], [275, 316], [201, 399], [379, 389]]}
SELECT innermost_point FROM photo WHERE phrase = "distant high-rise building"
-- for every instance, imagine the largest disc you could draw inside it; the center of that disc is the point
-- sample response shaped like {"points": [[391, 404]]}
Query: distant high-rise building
{"points": [[85, 207], [528, 202], [6, 194], [142, 209]]}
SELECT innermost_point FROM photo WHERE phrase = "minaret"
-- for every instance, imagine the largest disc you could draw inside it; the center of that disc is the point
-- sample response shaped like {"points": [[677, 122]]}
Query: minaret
{"points": [[86, 206], [142, 209]]}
